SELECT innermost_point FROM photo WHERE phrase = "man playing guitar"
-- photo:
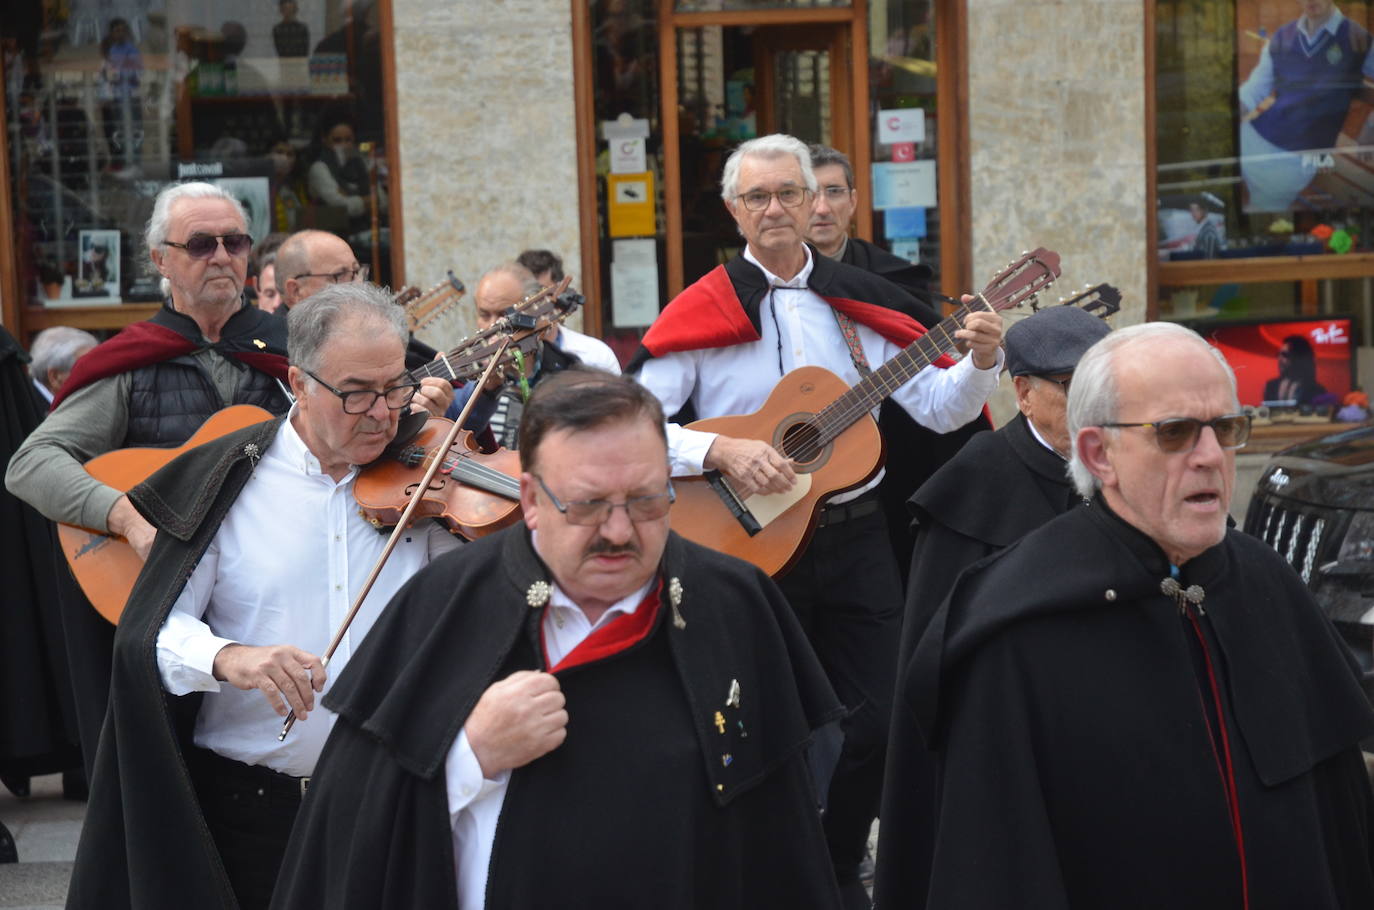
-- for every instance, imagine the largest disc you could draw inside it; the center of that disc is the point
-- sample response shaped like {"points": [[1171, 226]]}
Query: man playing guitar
{"points": [[720, 347]]}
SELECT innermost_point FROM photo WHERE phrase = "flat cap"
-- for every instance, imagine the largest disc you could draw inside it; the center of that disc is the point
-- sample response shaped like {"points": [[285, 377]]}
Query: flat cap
{"points": [[1052, 341]]}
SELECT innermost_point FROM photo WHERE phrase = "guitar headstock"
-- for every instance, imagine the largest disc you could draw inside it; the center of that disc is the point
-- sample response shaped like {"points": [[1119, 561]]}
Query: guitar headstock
{"points": [[525, 323], [1021, 280], [1102, 300], [422, 309]]}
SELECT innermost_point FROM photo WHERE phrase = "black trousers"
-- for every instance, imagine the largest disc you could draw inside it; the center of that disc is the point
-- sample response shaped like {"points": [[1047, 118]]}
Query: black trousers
{"points": [[847, 594], [250, 811]]}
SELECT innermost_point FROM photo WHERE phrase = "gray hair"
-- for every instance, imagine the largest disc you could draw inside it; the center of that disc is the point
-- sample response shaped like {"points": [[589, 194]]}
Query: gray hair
{"points": [[57, 349], [824, 156], [528, 283], [313, 322], [155, 234], [775, 145], [1093, 399]]}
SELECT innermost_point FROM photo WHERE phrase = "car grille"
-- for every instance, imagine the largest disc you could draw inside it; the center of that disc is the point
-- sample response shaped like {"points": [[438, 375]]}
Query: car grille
{"points": [[1299, 534]]}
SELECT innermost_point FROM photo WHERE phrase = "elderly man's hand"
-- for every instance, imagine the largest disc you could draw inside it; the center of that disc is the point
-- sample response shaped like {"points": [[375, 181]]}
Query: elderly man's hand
{"points": [[279, 671], [983, 334], [434, 396], [752, 465], [125, 521], [517, 720]]}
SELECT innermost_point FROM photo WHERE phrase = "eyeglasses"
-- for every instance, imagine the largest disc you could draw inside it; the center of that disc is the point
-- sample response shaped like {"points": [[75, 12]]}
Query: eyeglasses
{"points": [[1062, 383], [340, 276], [203, 246], [758, 200], [360, 401], [593, 512], [1180, 434], [836, 193]]}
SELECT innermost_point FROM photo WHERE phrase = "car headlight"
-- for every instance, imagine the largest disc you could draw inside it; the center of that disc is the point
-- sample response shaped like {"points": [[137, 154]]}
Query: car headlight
{"points": [[1357, 549]]}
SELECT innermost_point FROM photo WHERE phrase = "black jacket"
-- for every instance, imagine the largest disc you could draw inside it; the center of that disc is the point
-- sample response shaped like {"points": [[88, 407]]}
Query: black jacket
{"points": [[1072, 709], [646, 803]]}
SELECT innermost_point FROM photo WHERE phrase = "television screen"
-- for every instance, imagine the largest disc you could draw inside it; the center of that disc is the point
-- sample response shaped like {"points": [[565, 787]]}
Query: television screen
{"points": [[1295, 363]]}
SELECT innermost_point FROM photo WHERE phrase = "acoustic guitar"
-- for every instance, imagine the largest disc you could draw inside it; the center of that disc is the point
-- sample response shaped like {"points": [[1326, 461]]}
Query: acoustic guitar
{"points": [[827, 429], [105, 565]]}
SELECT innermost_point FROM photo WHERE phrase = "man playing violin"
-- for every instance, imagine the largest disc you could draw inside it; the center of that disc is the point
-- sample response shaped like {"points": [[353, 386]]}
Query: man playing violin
{"points": [[721, 346], [581, 711], [259, 555], [154, 384]]}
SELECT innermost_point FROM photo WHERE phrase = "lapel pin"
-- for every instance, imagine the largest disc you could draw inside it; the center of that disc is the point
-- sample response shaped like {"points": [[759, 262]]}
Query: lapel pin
{"points": [[743, 733], [726, 759], [732, 699], [720, 722]]}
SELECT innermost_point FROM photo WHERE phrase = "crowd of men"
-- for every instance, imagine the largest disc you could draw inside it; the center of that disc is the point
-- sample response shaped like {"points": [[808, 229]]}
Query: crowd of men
{"points": [[1090, 691]]}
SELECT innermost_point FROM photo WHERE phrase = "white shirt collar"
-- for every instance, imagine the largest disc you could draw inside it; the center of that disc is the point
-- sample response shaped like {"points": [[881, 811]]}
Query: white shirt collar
{"points": [[291, 448], [1332, 23], [1041, 439], [42, 389], [626, 605], [798, 280]]}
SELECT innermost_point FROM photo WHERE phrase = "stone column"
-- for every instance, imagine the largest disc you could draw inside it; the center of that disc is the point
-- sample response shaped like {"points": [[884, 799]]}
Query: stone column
{"points": [[488, 163]]}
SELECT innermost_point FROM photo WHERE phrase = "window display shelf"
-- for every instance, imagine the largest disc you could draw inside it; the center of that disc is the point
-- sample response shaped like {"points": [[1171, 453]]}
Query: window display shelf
{"points": [[88, 317], [1266, 268]]}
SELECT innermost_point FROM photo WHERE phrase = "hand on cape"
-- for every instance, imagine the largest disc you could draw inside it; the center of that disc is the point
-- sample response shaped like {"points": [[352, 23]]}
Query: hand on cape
{"points": [[517, 720]]}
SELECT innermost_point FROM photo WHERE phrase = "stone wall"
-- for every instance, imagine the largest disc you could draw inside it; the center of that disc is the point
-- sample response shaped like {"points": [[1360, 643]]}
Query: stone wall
{"points": [[487, 142], [1057, 140]]}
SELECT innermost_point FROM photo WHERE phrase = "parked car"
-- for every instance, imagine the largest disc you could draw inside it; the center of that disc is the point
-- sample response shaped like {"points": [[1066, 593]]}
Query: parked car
{"points": [[1314, 504]]}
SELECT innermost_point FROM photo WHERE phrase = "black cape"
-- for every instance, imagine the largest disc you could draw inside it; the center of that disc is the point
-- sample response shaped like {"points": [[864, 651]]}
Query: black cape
{"points": [[38, 726], [637, 808], [144, 842], [999, 488], [912, 277], [1063, 695]]}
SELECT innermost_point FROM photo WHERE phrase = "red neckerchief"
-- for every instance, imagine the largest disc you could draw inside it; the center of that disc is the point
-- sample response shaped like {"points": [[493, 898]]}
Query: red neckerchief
{"points": [[620, 634]]}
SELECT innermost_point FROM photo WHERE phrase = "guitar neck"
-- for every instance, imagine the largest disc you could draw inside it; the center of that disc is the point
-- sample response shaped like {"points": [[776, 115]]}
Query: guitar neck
{"points": [[866, 395]]}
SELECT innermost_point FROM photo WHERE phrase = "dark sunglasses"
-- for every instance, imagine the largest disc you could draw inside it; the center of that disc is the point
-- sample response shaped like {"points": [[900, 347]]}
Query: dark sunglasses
{"points": [[203, 246], [1180, 434]]}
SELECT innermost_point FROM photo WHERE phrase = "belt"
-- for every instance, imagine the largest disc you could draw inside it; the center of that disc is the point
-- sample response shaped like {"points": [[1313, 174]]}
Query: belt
{"points": [[845, 511], [226, 772]]}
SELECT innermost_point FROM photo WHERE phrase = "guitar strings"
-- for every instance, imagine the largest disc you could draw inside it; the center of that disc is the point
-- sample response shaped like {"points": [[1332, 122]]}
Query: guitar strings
{"points": [[833, 419]]}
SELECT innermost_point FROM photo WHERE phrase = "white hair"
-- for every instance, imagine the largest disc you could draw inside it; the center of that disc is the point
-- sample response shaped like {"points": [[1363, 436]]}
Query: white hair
{"points": [[772, 146], [1093, 395], [155, 234], [57, 349]]}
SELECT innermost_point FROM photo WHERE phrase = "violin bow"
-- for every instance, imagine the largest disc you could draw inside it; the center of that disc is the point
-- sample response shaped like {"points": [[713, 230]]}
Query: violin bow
{"points": [[404, 522]]}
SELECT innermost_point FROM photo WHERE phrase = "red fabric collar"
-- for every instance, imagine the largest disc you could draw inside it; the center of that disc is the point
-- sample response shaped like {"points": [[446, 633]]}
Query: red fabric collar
{"points": [[143, 343], [620, 634], [709, 315]]}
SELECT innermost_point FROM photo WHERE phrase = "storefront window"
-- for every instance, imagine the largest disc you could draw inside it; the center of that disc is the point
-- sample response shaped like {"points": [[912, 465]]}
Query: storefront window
{"points": [[906, 129], [107, 103], [1265, 143]]}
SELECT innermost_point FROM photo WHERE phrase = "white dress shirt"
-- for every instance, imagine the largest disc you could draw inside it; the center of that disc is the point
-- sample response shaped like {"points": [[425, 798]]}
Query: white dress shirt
{"points": [[592, 351], [474, 802], [284, 568], [798, 328]]}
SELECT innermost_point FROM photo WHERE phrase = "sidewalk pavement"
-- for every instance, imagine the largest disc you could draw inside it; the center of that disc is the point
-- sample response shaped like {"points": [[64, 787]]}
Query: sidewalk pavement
{"points": [[45, 828]]}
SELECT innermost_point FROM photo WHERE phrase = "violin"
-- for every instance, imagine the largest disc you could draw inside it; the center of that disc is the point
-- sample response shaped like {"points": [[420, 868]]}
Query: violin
{"points": [[472, 493]]}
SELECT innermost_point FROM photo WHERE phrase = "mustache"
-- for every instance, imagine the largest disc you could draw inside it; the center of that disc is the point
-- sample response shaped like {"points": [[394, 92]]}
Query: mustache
{"points": [[603, 547]]}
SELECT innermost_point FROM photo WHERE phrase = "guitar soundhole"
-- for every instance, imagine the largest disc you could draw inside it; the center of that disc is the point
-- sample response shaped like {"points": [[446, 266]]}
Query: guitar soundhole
{"points": [[801, 442]]}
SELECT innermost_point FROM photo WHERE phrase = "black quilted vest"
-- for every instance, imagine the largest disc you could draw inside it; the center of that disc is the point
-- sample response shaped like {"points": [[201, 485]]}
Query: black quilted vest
{"points": [[168, 401]]}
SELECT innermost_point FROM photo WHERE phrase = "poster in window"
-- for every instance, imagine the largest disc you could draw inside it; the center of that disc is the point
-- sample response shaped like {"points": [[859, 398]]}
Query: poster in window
{"points": [[1305, 97], [97, 273], [253, 194]]}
